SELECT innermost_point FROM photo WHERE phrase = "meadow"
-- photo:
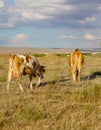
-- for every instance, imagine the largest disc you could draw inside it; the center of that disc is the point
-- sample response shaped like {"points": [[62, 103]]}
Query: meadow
{"points": [[58, 104]]}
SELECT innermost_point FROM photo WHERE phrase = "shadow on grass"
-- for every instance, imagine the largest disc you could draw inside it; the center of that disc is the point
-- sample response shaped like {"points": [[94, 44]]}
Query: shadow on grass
{"points": [[92, 76], [53, 82], [63, 80]]}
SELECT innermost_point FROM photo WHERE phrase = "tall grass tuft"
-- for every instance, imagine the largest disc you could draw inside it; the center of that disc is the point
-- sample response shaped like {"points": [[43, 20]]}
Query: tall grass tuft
{"points": [[33, 115], [92, 93]]}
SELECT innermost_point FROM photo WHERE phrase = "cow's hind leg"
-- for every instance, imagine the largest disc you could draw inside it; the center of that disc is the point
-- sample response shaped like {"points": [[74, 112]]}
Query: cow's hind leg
{"points": [[31, 87], [78, 77], [38, 83], [9, 79], [74, 75], [21, 88], [19, 83], [79, 74]]}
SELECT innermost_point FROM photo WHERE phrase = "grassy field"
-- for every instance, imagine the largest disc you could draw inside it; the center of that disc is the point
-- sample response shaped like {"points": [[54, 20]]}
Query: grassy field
{"points": [[58, 104]]}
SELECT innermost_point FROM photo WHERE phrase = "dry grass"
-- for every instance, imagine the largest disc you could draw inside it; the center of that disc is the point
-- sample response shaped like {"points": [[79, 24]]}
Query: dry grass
{"points": [[56, 105]]}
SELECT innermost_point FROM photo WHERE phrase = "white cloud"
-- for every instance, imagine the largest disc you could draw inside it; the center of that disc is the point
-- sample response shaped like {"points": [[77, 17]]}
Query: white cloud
{"points": [[29, 11], [89, 37], [88, 20], [1, 3], [49, 13], [32, 16], [99, 7], [20, 38], [40, 9]]}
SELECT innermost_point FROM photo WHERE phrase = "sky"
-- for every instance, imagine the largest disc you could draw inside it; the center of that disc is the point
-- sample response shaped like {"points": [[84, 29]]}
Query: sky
{"points": [[50, 23]]}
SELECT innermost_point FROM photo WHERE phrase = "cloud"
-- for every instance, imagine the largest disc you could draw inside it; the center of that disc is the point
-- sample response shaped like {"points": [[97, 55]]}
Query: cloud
{"points": [[99, 7], [89, 37], [1, 4], [86, 36], [84, 2], [88, 20], [48, 13], [20, 38]]}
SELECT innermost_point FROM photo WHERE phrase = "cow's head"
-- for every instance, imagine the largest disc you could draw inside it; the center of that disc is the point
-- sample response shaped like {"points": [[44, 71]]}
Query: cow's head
{"points": [[27, 71], [40, 71]]}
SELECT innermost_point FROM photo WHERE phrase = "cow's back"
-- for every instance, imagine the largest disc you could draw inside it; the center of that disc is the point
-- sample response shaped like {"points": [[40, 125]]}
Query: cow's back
{"points": [[76, 58], [80, 59]]}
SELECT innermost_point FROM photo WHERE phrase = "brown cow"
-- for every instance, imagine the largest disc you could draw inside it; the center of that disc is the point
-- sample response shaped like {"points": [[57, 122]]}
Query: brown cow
{"points": [[24, 65], [75, 62]]}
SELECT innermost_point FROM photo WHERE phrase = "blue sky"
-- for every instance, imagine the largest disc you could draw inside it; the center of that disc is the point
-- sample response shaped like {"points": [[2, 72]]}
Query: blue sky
{"points": [[50, 23]]}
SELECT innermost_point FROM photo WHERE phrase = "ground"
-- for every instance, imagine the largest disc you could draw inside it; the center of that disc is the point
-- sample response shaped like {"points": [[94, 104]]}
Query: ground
{"points": [[58, 104]]}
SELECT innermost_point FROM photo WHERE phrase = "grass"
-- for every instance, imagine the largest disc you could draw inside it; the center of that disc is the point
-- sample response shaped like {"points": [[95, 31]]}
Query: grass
{"points": [[58, 104], [39, 55], [61, 54], [1, 67], [3, 78]]}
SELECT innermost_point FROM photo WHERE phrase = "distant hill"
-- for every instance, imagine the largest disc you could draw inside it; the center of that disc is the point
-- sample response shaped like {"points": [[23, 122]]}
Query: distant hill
{"points": [[12, 50]]}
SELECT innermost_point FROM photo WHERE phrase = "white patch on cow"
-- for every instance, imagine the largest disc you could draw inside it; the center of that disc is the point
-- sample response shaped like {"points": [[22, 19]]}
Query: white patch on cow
{"points": [[22, 56]]}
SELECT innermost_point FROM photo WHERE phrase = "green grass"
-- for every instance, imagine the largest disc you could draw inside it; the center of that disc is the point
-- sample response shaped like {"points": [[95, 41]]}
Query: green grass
{"points": [[61, 54], [39, 55], [3, 78], [33, 115], [1, 67]]}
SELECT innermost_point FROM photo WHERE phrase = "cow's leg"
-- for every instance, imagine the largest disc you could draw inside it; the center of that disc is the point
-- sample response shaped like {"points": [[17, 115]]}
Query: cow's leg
{"points": [[30, 78], [9, 79], [21, 88], [74, 75], [19, 83], [78, 78], [39, 81], [79, 73]]}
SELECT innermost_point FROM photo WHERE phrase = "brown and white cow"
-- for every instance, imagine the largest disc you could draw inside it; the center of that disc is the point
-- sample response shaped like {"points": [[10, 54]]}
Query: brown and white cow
{"points": [[75, 62], [24, 65]]}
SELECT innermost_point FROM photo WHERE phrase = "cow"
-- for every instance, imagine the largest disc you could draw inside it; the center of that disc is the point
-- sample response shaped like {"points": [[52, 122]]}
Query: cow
{"points": [[76, 61], [26, 64]]}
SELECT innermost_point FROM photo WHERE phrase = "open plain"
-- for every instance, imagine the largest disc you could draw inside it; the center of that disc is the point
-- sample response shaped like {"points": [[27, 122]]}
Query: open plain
{"points": [[58, 103]]}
